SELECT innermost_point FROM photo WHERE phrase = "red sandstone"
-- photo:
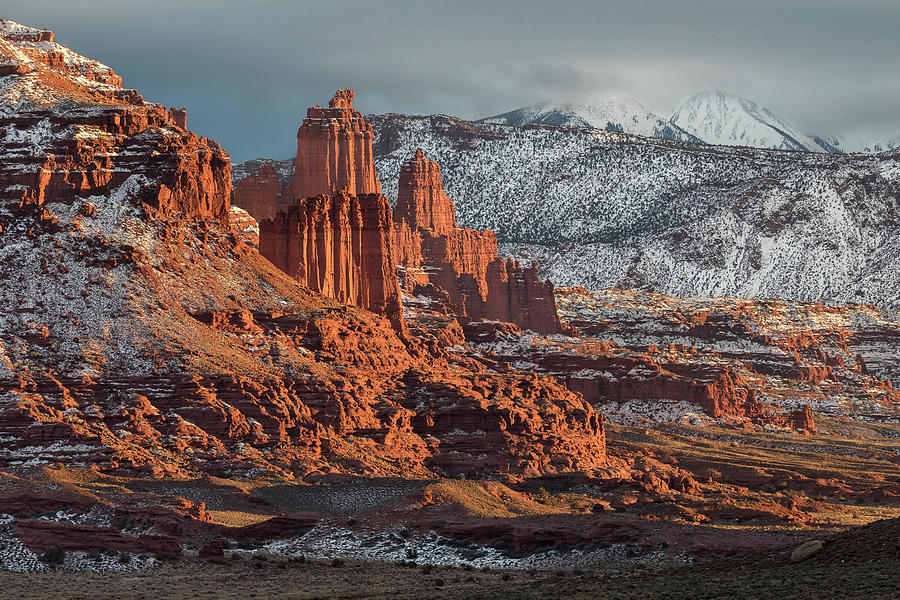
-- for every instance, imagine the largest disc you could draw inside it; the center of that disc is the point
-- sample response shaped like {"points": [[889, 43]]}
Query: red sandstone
{"points": [[334, 151], [259, 194], [338, 246], [431, 249]]}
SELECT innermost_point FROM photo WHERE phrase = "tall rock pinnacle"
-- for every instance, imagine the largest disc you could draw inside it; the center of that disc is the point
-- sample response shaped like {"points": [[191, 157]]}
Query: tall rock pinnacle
{"points": [[334, 151], [421, 200], [335, 234], [464, 262]]}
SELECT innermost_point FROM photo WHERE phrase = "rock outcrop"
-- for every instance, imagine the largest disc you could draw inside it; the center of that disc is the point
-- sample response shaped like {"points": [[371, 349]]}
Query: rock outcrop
{"points": [[421, 202], [431, 249], [315, 231], [339, 246], [259, 194], [147, 338], [75, 132], [334, 151], [335, 235], [768, 362]]}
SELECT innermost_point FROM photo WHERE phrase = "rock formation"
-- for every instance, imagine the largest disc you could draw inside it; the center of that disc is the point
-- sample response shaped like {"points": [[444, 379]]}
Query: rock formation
{"points": [[339, 246], [334, 151], [76, 133], [335, 235], [316, 236], [421, 202], [147, 338], [431, 249], [259, 194]]}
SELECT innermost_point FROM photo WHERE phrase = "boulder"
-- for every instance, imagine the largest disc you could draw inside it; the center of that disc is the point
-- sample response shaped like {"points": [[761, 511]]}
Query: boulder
{"points": [[805, 550]]}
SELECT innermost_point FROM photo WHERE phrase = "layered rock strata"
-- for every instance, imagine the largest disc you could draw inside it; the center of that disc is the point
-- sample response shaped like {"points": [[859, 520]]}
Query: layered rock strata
{"points": [[339, 246], [334, 151], [146, 337], [431, 249], [75, 132]]}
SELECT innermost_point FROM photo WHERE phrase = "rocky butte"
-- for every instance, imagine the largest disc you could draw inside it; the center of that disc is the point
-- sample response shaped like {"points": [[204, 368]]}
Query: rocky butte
{"points": [[148, 338], [432, 249], [334, 151], [339, 237]]}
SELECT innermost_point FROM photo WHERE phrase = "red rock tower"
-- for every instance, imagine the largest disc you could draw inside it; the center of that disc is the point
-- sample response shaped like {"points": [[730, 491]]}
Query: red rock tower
{"points": [[339, 246], [334, 151], [431, 249], [421, 201]]}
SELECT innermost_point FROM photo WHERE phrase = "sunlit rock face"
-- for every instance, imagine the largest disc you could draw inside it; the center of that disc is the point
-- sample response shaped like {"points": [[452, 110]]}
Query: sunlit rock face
{"points": [[334, 151], [431, 249]]}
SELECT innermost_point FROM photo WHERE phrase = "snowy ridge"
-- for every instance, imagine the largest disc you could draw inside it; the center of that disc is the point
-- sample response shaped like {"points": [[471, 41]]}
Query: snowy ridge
{"points": [[719, 118], [853, 143], [607, 210], [711, 117], [31, 64], [609, 112]]}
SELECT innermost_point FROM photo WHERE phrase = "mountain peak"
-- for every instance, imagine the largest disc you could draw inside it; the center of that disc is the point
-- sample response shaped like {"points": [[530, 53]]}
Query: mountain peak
{"points": [[608, 110], [727, 119]]}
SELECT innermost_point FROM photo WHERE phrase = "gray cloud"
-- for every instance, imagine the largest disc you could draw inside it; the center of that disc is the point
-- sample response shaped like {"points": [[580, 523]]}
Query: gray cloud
{"points": [[246, 71]]}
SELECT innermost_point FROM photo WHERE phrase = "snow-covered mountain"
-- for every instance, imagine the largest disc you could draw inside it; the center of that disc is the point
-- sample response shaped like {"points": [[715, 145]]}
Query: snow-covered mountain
{"points": [[846, 144], [608, 112], [609, 210], [711, 117], [725, 119]]}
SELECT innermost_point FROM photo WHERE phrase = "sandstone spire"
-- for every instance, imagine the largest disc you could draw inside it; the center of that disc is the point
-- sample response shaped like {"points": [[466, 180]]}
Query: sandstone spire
{"points": [[431, 249], [334, 151], [421, 200]]}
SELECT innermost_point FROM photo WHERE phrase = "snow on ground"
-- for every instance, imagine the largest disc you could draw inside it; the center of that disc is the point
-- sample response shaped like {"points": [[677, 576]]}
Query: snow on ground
{"points": [[330, 541], [607, 210]]}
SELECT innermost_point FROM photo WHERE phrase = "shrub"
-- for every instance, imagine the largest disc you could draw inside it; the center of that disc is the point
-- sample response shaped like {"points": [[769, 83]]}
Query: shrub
{"points": [[337, 562], [53, 556]]}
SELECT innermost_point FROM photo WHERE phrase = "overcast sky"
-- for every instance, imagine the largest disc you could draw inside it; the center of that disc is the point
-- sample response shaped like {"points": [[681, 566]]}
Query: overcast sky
{"points": [[247, 70]]}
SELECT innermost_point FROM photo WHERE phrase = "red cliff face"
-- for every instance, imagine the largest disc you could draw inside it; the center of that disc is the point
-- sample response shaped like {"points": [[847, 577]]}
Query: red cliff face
{"points": [[334, 151], [96, 135], [421, 201], [431, 249], [259, 194], [338, 246], [335, 236]]}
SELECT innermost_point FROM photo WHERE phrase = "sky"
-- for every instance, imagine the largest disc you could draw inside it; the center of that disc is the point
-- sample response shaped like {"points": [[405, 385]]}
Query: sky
{"points": [[246, 71]]}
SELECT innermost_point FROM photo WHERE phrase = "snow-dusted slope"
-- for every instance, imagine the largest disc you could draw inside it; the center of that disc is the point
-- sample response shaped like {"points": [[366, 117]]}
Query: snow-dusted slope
{"points": [[609, 112], [850, 143], [608, 210], [720, 118]]}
